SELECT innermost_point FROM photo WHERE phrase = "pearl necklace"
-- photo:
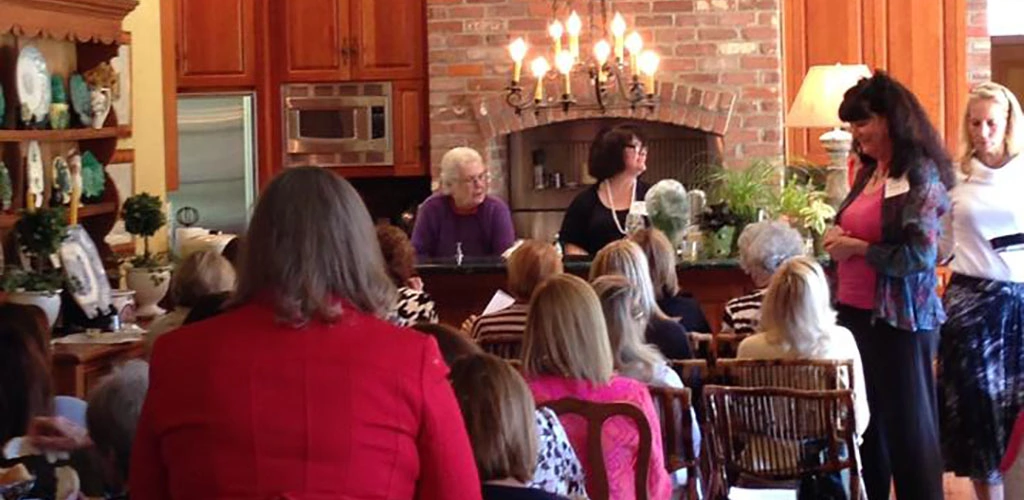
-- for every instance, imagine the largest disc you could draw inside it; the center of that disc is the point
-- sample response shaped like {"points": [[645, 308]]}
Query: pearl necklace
{"points": [[611, 201]]}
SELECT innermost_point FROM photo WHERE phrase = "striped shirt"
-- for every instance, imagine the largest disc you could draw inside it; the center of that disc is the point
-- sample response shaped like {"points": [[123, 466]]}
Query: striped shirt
{"points": [[511, 320], [743, 314]]}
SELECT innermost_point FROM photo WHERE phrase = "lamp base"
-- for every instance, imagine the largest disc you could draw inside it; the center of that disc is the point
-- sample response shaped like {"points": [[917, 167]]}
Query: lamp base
{"points": [[837, 142]]}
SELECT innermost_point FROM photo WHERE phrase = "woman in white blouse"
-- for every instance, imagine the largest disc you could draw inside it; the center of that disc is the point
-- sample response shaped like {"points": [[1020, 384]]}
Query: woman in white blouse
{"points": [[981, 351], [798, 322]]}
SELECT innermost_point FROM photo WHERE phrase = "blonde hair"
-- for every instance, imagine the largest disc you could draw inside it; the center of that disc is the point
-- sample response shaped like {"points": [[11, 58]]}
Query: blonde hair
{"points": [[565, 332], [532, 263], [661, 258], [454, 159], [626, 258], [624, 318], [498, 411], [201, 274], [797, 312], [1013, 141]]}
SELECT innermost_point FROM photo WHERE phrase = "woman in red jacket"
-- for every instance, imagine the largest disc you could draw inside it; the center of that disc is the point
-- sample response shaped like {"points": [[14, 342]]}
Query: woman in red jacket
{"points": [[301, 390]]}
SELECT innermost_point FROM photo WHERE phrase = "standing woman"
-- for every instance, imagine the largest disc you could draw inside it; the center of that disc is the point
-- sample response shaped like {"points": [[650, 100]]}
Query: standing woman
{"points": [[599, 215], [886, 245], [462, 217], [982, 348]]}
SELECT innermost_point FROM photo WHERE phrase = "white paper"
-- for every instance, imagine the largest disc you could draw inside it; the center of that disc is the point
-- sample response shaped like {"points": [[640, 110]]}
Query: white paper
{"points": [[103, 338], [501, 300]]}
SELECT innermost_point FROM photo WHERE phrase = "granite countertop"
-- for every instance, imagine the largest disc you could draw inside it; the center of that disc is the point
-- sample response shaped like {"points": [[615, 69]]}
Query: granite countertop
{"points": [[481, 265]]}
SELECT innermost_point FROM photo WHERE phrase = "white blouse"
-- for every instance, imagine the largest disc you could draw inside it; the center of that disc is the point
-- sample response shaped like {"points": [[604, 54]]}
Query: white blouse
{"points": [[985, 205]]}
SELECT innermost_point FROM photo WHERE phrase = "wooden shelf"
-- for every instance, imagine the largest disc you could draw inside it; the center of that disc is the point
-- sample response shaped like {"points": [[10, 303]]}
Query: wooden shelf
{"points": [[85, 211], [69, 135]]}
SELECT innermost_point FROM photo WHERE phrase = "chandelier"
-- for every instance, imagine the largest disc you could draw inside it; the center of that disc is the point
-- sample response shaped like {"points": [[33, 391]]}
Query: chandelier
{"points": [[617, 81]]}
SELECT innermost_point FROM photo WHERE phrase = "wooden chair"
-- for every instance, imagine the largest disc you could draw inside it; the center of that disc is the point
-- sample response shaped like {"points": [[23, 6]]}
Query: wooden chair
{"points": [[778, 434], [695, 374], [673, 407], [596, 414], [502, 345], [725, 345], [804, 374]]}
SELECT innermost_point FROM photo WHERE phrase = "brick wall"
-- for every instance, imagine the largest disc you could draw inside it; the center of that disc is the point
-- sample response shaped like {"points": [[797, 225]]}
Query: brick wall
{"points": [[979, 45], [728, 47]]}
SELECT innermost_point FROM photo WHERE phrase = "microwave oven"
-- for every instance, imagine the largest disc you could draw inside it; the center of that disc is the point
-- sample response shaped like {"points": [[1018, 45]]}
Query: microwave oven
{"points": [[338, 124]]}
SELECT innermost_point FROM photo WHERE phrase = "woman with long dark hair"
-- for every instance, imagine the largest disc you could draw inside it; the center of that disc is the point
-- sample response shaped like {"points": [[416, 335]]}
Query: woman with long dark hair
{"points": [[886, 245]]}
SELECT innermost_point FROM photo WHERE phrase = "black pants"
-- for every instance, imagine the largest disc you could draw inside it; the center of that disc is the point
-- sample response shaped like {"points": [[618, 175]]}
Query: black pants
{"points": [[902, 440]]}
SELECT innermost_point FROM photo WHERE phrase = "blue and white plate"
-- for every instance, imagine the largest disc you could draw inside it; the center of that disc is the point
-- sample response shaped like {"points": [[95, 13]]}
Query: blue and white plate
{"points": [[34, 89]]}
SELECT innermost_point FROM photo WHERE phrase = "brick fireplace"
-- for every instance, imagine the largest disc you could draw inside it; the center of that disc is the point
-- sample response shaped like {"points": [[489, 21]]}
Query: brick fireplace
{"points": [[720, 72]]}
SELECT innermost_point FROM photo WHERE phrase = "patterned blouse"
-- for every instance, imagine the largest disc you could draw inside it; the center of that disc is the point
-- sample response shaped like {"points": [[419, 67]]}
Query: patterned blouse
{"points": [[558, 469], [905, 259], [413, 306]]}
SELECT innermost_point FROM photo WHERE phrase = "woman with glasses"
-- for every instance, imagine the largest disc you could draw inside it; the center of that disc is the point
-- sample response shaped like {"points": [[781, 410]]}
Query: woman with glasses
{"points": [[610, 209], [462, 218]]}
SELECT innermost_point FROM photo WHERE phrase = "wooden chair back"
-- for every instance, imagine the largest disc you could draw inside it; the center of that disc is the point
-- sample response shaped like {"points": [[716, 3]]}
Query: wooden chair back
{"points": [[673, 407], [776, 434], [804, 374], [695, 374], [596, 414], [502, 345]]}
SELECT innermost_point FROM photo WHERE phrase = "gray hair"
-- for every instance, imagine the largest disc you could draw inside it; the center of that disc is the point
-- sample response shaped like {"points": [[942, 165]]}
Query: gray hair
{"points": [[454, 159], [114, 408], [765, 245]]}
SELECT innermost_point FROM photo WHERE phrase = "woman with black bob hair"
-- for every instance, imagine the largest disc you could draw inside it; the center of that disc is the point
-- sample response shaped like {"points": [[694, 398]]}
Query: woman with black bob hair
{"points": [[601, 214], [886, 245]]}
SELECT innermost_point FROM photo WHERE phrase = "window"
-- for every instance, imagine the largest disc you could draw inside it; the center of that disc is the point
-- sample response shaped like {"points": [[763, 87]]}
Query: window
{"points": [[1004, 17]]}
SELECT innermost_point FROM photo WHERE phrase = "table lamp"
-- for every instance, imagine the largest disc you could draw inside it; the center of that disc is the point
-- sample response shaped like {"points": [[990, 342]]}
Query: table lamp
{"points": [[817, 106]]}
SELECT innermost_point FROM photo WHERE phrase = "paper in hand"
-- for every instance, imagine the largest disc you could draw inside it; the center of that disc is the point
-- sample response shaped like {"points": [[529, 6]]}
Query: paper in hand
{"points": [[499, 301]]}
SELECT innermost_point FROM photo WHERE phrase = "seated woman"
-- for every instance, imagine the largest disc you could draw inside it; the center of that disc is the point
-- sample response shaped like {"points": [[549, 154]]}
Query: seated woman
{"points": [[798, 322], [462, 217], [498, 411], [764, 246], [558, 470], [413, 304], [304, 389], [661, 258], [623, 257], [200, 274], [532, 263], [566, 354]]}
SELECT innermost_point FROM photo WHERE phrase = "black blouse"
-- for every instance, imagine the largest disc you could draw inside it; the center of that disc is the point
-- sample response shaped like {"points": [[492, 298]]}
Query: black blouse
{"points": [[687, 309], [588, 223]]}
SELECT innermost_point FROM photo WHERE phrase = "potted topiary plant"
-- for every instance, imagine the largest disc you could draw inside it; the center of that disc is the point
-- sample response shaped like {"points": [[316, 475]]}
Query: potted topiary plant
{"points": [[39, 234], [148, 273]]}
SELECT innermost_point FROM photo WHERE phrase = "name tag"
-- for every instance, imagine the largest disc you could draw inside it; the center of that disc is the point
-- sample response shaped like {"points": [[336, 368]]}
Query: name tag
{"points": [[896, 187], [638, 207]]}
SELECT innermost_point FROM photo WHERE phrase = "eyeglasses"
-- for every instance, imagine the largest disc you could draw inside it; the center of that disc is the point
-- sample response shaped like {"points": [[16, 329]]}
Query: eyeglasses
{"points": [[640, 149], [480, 179]]}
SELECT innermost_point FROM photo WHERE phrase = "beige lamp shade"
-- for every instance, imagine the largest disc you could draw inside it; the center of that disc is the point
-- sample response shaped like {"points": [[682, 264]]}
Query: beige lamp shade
{"points": [[817, 103]]}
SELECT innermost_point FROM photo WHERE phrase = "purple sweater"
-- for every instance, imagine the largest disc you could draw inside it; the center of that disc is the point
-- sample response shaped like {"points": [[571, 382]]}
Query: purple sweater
{"points": [[488, 231]]}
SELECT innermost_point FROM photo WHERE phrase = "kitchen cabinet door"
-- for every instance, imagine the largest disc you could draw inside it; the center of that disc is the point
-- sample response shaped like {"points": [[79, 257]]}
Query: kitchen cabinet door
{"points": [[215, 41], [317, 40], [410, 127], [388, 39]]}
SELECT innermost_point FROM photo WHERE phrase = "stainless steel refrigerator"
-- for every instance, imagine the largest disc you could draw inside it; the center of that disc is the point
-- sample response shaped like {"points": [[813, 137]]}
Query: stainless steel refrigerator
{"points": [[216, 161]]}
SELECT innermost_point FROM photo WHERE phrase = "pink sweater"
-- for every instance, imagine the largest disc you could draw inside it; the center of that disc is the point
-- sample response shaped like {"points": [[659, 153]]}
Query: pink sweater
{"points": [[619, 437]]}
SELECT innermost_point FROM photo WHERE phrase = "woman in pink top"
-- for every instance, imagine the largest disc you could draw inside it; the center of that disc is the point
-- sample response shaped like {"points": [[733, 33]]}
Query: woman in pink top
{"points": [[566, 354]]}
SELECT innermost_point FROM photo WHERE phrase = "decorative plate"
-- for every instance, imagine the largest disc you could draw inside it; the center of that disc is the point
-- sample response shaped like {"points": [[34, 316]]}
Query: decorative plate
{"points": [[85, 272], [81, 99], [36, 180], [61, 190], [34, 90]]}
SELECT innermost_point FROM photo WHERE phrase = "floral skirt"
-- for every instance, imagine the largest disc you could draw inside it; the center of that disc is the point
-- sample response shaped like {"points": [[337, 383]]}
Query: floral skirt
{"points": [[981, 381]]}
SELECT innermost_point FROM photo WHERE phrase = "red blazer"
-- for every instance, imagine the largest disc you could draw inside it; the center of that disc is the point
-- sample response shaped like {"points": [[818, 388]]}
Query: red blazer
{"points": [[241, 408]]}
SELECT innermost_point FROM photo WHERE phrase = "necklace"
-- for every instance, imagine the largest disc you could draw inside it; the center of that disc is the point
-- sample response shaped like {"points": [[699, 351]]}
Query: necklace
{"points": [[611, 201]]}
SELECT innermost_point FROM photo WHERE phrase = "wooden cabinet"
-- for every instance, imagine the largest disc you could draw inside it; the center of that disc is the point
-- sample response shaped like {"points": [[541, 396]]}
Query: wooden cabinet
{"points": [[410, 127], [385, 33], [316, 40], [330, 40], [921, 44], [215, 42]]}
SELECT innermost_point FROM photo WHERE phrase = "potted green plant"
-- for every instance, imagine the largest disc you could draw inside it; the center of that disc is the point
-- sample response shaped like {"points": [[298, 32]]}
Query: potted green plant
{"points": [[806, 208], [746, 192], [148, 273], [39, 234]]}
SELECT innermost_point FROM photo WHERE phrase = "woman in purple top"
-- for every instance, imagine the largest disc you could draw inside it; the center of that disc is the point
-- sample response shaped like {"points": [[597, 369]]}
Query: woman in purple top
{"points": [[462, 214]]}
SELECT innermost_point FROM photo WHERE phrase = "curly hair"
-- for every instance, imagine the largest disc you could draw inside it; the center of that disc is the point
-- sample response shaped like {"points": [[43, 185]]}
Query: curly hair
{"points": [[765, 245], [914, 138], [399, 254]]}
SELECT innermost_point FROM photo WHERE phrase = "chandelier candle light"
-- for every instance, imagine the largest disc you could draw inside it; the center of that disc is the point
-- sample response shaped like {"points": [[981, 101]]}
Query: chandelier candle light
{"points": [[617, 82]]}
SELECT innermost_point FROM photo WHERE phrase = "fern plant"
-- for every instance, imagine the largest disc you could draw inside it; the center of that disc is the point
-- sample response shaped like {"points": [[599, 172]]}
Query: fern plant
{"points": [[746, 191]]}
